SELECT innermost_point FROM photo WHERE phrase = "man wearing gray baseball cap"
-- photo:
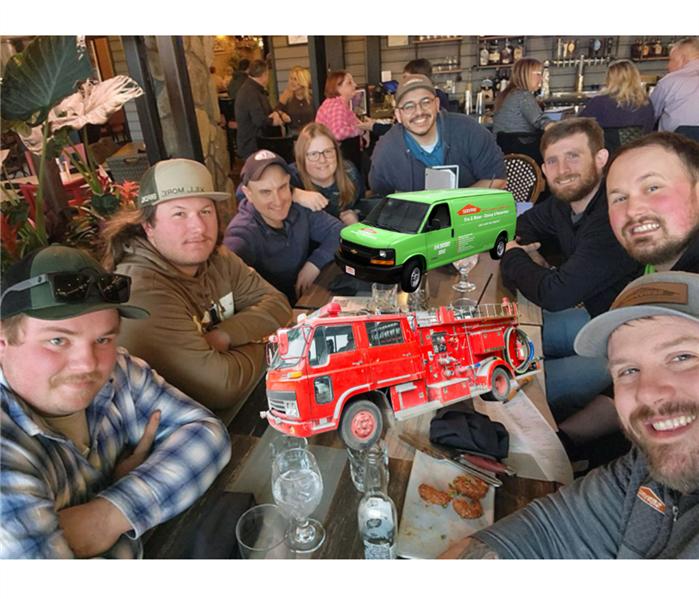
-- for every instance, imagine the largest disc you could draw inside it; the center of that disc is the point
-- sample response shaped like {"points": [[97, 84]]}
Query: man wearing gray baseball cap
{"points": [[425, 136], [96, 448], [209, 311], [645, 504]]}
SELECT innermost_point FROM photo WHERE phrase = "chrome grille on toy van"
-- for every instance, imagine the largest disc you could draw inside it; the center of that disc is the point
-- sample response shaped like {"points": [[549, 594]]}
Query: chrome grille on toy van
{"points": [[355, 252], [281, 401]]}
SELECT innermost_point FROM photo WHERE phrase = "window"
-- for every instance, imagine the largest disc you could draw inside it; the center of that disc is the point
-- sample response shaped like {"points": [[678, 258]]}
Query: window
{"points": [[441, 213], [328, 341], [384, 333]]}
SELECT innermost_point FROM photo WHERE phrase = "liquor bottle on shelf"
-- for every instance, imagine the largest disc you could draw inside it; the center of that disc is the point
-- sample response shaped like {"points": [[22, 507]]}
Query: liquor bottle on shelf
{"points": [[483, 55], [518, 52], [376, 515], [506, 54], [637, 49], [657, 48], [494, 53]]}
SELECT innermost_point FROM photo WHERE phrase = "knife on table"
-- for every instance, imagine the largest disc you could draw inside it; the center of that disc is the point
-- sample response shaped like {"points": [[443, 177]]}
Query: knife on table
{"points": [[425, 446], [485, 464]]}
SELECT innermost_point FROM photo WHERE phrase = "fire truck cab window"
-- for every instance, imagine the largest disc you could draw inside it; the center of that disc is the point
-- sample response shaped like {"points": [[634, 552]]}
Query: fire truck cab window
{"points": [[330, 340], [384, 333]]}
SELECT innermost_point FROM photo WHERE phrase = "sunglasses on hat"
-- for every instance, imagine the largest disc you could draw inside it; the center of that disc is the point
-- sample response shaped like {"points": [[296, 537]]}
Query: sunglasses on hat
{"points": [[75, 287]]}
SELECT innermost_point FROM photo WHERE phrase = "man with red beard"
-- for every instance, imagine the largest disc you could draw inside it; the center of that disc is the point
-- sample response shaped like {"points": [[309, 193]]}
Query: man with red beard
{"points": [[653, 195], [595, 268], [645, 504]]}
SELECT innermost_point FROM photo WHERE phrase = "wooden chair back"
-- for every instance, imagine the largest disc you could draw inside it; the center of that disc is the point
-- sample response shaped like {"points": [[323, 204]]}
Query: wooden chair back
{"points": [[524, 179]]}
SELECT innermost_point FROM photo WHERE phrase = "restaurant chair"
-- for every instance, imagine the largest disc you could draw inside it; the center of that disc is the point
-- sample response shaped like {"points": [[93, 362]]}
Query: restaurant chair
{"points": [[688, 131], [128, 168], [524, 179], [615, 137], [75, 194], [521, 143]]}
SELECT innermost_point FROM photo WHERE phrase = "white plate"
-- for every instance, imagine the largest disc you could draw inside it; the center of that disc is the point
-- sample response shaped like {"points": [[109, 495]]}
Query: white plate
{"points": [[427, 530]]}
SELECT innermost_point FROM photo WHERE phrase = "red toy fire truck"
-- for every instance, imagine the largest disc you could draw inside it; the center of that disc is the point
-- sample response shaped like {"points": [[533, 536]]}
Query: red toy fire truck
{"points": [[337, 370]]}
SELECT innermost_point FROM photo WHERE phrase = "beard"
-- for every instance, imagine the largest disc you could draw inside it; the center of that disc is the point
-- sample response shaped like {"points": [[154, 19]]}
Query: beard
{"points": [[643, 250], [572, 193], [674, 464]]}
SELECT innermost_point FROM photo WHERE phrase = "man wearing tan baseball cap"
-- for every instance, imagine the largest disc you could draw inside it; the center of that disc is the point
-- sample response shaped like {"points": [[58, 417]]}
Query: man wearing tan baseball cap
{"points": [[209, 311], [645, 504]]}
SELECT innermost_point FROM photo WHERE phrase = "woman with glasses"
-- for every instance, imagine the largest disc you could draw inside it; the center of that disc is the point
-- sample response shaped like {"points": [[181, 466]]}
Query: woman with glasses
{"points": [[295, 104], [337, 115], [321, 167], [516, 110], [623, 102]]}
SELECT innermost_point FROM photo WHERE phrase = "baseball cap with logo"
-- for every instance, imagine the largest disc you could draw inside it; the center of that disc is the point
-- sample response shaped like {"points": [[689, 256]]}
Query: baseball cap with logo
{"points": [[258, 162], [174, 179], [58, 282], [411, 82], [659, 294]]}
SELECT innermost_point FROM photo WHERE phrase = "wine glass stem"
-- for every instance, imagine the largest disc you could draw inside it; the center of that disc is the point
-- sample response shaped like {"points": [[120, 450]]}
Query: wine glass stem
{"points": [[303, 531]]}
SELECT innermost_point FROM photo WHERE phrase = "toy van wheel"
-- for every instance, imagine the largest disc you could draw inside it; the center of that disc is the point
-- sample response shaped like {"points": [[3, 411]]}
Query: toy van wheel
{"points": [[411, 276], [498, 250], [361, 424], [500, 385]]}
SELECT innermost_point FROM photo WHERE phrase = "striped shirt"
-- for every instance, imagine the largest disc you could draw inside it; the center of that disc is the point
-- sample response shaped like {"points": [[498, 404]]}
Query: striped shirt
{"points": [[42, 472]]}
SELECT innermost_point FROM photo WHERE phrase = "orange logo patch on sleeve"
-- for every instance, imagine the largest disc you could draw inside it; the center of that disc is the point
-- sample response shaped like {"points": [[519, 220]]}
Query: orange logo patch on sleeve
{"points": [[649, 497]]}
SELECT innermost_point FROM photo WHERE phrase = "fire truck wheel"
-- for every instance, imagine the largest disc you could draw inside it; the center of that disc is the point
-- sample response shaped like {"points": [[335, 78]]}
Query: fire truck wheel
{"points": [[411, 276], [498, 250], [361, 424], [499, 384]]}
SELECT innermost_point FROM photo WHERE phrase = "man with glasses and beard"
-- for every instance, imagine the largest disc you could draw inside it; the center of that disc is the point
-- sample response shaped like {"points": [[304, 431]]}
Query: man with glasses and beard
{"points": [[645, 504], [574, 224], [425, 136], [96, 447]]}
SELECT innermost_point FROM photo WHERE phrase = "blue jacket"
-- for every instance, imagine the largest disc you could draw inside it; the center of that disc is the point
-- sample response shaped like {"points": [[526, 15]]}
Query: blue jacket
{"points": [[279, 256], [465, 142]]}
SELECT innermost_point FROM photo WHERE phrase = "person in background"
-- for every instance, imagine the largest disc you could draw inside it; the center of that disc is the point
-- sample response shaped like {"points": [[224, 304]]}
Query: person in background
{"points": [[422, 66], [653, 197], [209, 312], [644, 505], [252, 110], [96, 447], [674, 99], [321, 167], [218, 80], [623, 102], [239, 76], [337, 115], [516, 110], [595, 268], [295, 104], [425, 136], [275, 235]]}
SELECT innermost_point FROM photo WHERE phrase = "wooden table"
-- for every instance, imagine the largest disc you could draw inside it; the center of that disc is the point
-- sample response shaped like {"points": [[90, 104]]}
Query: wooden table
{"points": [[249, 470]]}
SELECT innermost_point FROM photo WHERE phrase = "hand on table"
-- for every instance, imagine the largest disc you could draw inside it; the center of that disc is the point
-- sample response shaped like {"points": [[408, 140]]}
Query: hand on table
{"points": [[312, 200], [532, 251], [307, 275]]}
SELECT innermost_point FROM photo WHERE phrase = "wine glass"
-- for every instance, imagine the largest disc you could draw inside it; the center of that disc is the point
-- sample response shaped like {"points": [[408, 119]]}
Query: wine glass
{"points": [[297, 487], [465, 266]]}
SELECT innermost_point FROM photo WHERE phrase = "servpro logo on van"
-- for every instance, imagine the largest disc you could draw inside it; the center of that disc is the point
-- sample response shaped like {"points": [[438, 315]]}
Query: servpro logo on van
{"points": [[366, 232], [468, 209]]}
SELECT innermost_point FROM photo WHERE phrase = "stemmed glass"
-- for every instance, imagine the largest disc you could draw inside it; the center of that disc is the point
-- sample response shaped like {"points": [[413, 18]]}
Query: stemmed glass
{"points": [[465, 266], [297, 487]]}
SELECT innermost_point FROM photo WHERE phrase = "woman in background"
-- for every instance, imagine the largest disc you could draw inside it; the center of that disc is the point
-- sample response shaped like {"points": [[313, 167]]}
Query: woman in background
{"points": [[337, 115], [320, 167], [295, 105], [516, 110], [623, 102]]}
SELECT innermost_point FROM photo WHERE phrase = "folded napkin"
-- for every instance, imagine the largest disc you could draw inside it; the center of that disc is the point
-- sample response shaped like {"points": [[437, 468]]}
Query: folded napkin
{"points": [[461, 427]]}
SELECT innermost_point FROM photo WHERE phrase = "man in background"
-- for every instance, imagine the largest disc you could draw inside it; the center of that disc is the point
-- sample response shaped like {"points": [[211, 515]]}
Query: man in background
{"points": [[96, 447]]}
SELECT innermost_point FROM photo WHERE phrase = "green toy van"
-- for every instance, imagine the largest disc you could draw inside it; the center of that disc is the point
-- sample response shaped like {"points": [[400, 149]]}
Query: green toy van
{"points": [[407, 234]]}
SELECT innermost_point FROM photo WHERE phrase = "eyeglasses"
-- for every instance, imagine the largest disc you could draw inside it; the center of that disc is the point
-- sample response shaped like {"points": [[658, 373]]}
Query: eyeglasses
{"points": [[74, 287], [315, 156], [410, 107]]}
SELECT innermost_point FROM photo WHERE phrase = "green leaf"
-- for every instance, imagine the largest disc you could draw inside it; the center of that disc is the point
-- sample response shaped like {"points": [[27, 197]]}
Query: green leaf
{"points": [[105, 205], [35, 80]]}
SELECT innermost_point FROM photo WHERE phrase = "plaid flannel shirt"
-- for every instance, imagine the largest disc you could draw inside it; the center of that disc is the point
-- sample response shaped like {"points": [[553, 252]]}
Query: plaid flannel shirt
{"points": [[337, 116], [41, 471]]}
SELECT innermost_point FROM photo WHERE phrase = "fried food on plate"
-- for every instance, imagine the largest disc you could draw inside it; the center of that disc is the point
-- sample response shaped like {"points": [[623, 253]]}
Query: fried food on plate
{"points": [[470, 486], [467, 508], [432, 495]]}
